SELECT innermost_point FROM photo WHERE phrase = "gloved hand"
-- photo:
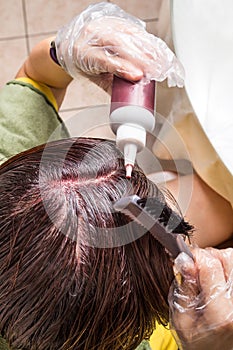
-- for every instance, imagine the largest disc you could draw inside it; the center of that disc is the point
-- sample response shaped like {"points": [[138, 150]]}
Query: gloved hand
{"points": [[201, 300], [105, 39]]}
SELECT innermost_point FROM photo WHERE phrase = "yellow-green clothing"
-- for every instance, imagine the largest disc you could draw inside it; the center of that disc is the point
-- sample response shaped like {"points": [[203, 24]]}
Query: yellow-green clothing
{"points": [[161, 339], [28, 117]]}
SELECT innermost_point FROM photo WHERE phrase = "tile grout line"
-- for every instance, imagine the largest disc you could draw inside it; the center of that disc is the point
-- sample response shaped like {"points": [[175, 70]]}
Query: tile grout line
{"points": [[73, 109], [25, 26], [34, 35]]}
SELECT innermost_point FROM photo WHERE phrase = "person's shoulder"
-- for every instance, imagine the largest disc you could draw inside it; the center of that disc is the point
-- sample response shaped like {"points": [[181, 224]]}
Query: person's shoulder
{"points": [[37, 87], [162, 339], [3, 344], [144, 346]]}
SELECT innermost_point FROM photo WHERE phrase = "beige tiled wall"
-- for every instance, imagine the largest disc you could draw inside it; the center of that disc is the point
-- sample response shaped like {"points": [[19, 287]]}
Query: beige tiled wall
{"points": [[25, 22]]}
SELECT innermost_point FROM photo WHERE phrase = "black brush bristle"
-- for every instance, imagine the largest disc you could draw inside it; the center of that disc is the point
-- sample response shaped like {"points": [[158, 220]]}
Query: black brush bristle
{"points": [[160, 211]]}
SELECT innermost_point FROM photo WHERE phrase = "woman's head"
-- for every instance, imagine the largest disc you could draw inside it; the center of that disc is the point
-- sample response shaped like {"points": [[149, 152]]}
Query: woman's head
{"points": [[75, 274]]}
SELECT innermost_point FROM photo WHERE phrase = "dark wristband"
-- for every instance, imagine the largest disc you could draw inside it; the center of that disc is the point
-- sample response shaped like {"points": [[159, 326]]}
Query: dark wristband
{"points": [[53, 53]]}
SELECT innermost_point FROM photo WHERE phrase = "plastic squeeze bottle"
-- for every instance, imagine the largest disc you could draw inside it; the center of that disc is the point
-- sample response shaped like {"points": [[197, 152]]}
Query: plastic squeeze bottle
{"points": [[131, 116]]}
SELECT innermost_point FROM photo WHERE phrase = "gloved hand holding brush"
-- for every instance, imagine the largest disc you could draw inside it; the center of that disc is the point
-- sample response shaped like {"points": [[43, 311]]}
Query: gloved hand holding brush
{"points": [[201, 300]]}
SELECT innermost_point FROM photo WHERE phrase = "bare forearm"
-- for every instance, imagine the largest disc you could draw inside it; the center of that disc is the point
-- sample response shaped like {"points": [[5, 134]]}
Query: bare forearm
{"points": [[208, 212], [40, 67]]}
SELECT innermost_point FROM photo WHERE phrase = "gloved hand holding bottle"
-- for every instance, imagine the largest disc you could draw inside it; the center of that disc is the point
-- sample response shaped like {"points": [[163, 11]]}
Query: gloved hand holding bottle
{"points": [[104, 39], [201, 300]]}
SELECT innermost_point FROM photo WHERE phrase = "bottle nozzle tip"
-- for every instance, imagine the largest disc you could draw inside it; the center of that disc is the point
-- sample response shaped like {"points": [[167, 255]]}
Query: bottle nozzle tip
{"points": [[128, 169]]}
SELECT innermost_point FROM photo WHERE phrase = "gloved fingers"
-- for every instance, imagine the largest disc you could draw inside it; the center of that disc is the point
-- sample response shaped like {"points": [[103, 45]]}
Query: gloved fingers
{"points": [[215, 285], [121, 49], [119, 33], [129, 50], [186, 276], [183, 293], [98, 60], [226, 258], [202, 317], [132, 44]]}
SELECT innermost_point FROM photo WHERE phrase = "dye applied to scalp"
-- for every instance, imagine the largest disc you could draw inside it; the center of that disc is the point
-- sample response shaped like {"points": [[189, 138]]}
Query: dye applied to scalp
{"points": [[57, 291]]}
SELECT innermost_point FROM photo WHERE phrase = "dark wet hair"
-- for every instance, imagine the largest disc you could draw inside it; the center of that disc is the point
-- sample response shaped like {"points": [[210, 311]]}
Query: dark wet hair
{"points": [[75, 274]]}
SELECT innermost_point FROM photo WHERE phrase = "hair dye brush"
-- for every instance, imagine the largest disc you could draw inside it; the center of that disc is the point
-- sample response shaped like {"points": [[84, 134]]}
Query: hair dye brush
{"points": [[146, 212]]}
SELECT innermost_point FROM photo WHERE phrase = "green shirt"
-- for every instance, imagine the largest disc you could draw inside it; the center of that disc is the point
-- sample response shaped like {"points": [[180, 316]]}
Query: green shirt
{"points": [[27, 119]]}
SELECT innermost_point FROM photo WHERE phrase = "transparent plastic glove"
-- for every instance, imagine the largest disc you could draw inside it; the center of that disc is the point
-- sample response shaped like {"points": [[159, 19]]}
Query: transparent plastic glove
{"points": [[201, 300], [106, 39]]}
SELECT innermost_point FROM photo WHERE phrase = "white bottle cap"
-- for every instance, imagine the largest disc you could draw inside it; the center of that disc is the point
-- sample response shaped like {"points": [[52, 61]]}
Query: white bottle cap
{"points": [[131, 139], [130, 151]]}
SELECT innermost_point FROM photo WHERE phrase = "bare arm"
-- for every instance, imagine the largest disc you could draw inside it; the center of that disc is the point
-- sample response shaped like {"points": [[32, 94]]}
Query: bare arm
{"points": [[208, 212], [40, 67]]}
